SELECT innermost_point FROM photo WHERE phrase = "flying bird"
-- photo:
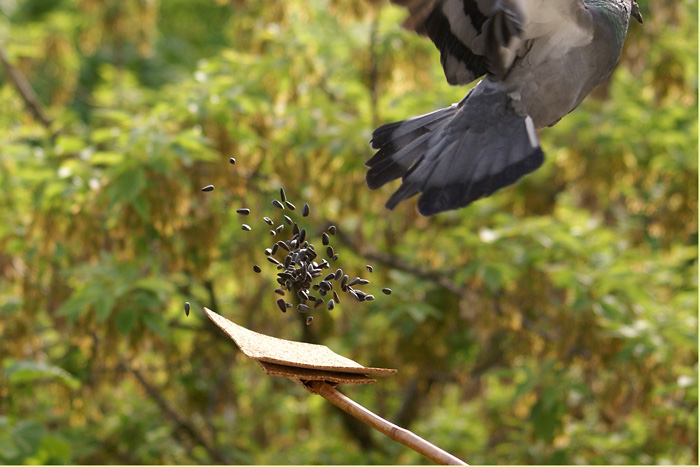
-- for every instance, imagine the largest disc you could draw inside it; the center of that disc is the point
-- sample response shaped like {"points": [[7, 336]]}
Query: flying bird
{"points": [[538, 58]]}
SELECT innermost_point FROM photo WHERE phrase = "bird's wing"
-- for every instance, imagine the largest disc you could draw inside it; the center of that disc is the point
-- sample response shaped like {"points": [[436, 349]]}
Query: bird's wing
{"points": [[478, 37]]}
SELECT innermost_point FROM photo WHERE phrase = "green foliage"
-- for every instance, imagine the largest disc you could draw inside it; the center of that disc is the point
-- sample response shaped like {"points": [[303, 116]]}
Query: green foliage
{"points": [[554, 322]]}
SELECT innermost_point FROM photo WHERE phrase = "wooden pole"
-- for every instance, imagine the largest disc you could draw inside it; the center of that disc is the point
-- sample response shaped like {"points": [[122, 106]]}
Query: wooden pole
{"points": [[394, 432]]}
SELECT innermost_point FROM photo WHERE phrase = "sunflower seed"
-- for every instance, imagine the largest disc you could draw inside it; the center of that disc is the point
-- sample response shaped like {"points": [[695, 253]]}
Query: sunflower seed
{"points": [[279, 292], [295, 229], [331, 230], [344, 282], [386, 291], [279, 228], [354, 281], [325, 239], [273, 232], [282, 245], [283, 196], [338, 274], [305, 210], [363, 282], [208, 188], [329, 251], [301, 308], [290, 205], [318, 303], [369, 268], [369, 297], [330, 276], [282, 305], [302, 236], [331, 304], [335, 297], [272, 260], [232, 161], [268, 220], [334, 258], [277, 204], [288, 220], [246, 227], [243, 211], [187, 308], [274, 249], [309, 319]]}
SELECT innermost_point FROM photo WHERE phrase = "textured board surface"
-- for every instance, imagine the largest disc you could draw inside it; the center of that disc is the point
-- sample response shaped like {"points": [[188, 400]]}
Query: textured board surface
{"points": [[269, 349]]}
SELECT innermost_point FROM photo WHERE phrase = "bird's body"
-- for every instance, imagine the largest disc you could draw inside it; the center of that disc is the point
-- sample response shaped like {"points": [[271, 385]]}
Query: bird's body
{"points": [[540, 59]]}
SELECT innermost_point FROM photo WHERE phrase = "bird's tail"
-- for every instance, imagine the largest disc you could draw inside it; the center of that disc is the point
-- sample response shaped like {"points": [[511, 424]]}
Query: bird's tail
{"points": [[456, 155]]}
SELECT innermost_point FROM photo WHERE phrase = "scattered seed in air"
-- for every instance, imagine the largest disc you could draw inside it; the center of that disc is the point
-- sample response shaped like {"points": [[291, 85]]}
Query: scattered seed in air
{"points": [[290, 205], [283, 196], [309, 319], [331, 230], [268, 221], [208, 188], [325, 239], [305, 210], [282, 305], [243, 211], [331, 304], [232, 161], [369, 268], [277, 204], [246, 227], [257, 269], [187, 308], [386, 291]]}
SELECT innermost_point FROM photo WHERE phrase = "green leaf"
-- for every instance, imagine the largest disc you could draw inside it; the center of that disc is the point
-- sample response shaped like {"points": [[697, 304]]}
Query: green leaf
{"points": [[28, 371], [125, 320]]}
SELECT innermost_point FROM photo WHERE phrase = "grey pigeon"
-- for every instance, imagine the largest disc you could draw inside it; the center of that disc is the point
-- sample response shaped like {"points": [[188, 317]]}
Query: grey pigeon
{"points": [[540, 59]]}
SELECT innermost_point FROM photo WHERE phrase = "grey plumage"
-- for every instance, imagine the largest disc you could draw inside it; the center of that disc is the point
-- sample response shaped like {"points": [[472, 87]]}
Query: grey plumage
{"points": [[540, 59]]}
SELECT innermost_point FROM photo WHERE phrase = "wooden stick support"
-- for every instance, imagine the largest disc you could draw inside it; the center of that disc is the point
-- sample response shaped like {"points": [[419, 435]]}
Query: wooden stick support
{"points": [[318, 369], [395, 432]]}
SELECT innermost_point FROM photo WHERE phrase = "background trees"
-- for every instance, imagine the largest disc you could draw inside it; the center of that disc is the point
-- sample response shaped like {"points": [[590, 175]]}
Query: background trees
{"points": [[555, 322]]}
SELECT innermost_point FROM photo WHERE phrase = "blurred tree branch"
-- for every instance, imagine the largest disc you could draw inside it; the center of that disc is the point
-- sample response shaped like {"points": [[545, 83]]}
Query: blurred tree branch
{"points": [[26, 91]]}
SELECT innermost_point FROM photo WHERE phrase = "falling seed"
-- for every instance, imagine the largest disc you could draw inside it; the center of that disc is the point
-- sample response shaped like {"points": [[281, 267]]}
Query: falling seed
{"points": [[257, 269], [279, 292], [334, 258], [386, 291], [331, 230], [277, 204], [288, 305], [295, 229], [335, 297], [363, 282], [273, 232], [344, 282], [302, 235], [331, 304], [246, 227], [329, 276], [187, 308], [288, 220], [369, 268], [232, 161], [354, 281], [208, 188], [283, 196], [282, 305], [268, 220], [243, 211], [272, 260], [274, 249], [329, 251], [305, 210], [309, 319], [279, 228], [318, 303], [301, 308], [369, 297], [282, 245], [290, 205], [325, 239]]}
